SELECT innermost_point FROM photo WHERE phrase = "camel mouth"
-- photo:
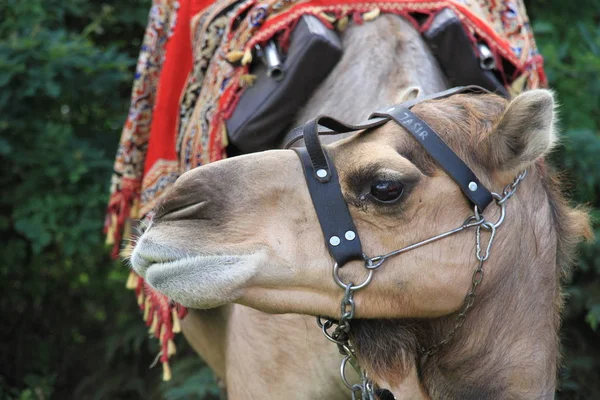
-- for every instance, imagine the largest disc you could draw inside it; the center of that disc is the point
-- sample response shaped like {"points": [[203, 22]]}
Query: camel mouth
{"points": [[178, 266], [149, 258], [145, 257], [203, 281], [159, 274], [196, 280]]}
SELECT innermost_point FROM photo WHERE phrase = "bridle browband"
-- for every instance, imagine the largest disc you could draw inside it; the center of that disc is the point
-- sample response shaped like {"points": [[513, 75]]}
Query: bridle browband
{"points": [[342, 238]]}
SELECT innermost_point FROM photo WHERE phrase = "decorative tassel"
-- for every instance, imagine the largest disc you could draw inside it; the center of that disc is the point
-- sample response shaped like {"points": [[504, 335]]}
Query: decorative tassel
{"points": [[147, 308], [225, 138], [171, 349], [127, 251], [327, 17], [132, 281], [247, 79], [140, 298], [234, 56], [176, 324], [162, 333], [110, 236], [518, 85], [127, 231], [166, 371], [154, 325], [342, 23], [110, 231], [135, 209], [371, 15], [247, 58]]}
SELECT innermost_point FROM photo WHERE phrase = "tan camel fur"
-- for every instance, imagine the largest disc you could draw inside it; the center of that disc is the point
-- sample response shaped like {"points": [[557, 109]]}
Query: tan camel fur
{"points": [[243, 232]]}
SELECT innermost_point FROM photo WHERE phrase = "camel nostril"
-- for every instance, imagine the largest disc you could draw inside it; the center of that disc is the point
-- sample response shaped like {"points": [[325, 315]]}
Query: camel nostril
{"points": [[190, 211], [177, 204], [176, 210]]}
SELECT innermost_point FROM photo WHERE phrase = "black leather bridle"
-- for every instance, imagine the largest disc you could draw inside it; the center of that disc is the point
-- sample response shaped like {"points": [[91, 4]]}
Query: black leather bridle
{"points": [[341, 237]]}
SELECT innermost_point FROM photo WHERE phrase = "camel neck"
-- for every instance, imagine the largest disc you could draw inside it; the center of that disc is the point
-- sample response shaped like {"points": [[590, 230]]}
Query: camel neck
{"points": [[508, 347]]}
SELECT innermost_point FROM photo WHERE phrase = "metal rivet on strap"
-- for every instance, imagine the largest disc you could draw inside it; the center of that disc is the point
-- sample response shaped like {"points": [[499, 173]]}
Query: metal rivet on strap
{"points": [[350, 235], [334, 240], [321, 173], [472, 186]]}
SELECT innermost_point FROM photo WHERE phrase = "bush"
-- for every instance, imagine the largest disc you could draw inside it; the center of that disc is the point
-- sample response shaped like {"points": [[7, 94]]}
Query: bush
{"points": [[568, 35], [69, 327]]}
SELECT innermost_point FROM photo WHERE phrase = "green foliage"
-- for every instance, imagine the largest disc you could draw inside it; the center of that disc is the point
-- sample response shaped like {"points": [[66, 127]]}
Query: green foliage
{"points": [[568, 35], [69, 328], [187, 383]]}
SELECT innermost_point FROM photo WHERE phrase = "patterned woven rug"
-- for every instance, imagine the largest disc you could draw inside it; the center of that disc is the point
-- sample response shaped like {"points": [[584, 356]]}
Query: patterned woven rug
{"points": [[193, 67]]}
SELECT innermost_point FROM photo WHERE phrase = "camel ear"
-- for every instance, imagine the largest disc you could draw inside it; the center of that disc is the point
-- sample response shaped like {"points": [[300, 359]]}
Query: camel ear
{"points": [[409, 93], [525, 131]]}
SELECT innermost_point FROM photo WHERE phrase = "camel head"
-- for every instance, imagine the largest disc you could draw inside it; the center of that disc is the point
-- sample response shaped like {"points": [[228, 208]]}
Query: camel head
{"points": [[244, 229]]}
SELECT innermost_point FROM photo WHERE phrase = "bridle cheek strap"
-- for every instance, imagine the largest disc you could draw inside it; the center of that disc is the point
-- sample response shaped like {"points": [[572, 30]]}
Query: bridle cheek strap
{"points": [[322, 180], [336, 223]]}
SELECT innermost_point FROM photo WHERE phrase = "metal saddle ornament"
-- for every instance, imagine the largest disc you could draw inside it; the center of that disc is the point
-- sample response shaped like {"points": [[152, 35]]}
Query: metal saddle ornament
{"points": [[342, 238]]}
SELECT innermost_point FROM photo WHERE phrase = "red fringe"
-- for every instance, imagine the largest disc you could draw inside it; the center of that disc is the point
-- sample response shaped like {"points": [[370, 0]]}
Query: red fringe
{"points": [[119, 205], [160, 315], [357, 18]]}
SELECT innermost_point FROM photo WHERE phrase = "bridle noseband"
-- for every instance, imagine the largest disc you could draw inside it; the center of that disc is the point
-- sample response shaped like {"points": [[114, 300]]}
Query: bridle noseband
{"points": [[341, 236]]}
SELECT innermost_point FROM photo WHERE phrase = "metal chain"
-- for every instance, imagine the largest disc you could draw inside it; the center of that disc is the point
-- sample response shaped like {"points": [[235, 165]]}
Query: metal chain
{"points": [[477, 277], [510, 189], [469, 300], [341, 328], [341, 336]]}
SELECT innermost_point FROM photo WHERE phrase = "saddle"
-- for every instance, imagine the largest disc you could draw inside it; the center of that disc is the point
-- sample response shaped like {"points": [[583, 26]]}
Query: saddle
{"points": [[285, 81]]}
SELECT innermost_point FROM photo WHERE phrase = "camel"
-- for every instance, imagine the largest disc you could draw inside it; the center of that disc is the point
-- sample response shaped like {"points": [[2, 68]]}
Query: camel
{"points": [[239, 242]]}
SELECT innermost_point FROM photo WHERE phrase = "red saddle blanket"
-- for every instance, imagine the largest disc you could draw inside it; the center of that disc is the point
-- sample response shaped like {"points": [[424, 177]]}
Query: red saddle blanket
{"points": [[193, 67]]}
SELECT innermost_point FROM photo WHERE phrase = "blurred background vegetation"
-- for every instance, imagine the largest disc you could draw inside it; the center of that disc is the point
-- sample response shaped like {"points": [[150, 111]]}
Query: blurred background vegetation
{"points": [[68, 327]]}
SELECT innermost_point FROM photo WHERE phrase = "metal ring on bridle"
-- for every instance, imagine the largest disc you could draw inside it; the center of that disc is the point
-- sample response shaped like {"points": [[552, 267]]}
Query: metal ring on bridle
{"points": [[502, 206], [329, 337], [343, 373], [327, 322], [343, 285]]}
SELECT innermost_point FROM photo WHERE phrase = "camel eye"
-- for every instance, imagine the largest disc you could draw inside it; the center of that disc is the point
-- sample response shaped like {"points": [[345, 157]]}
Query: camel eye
{"points": [[387, 191]]}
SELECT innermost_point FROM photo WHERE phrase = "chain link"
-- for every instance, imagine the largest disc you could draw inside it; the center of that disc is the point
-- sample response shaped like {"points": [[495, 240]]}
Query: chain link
{"points": [[510, 189]]}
